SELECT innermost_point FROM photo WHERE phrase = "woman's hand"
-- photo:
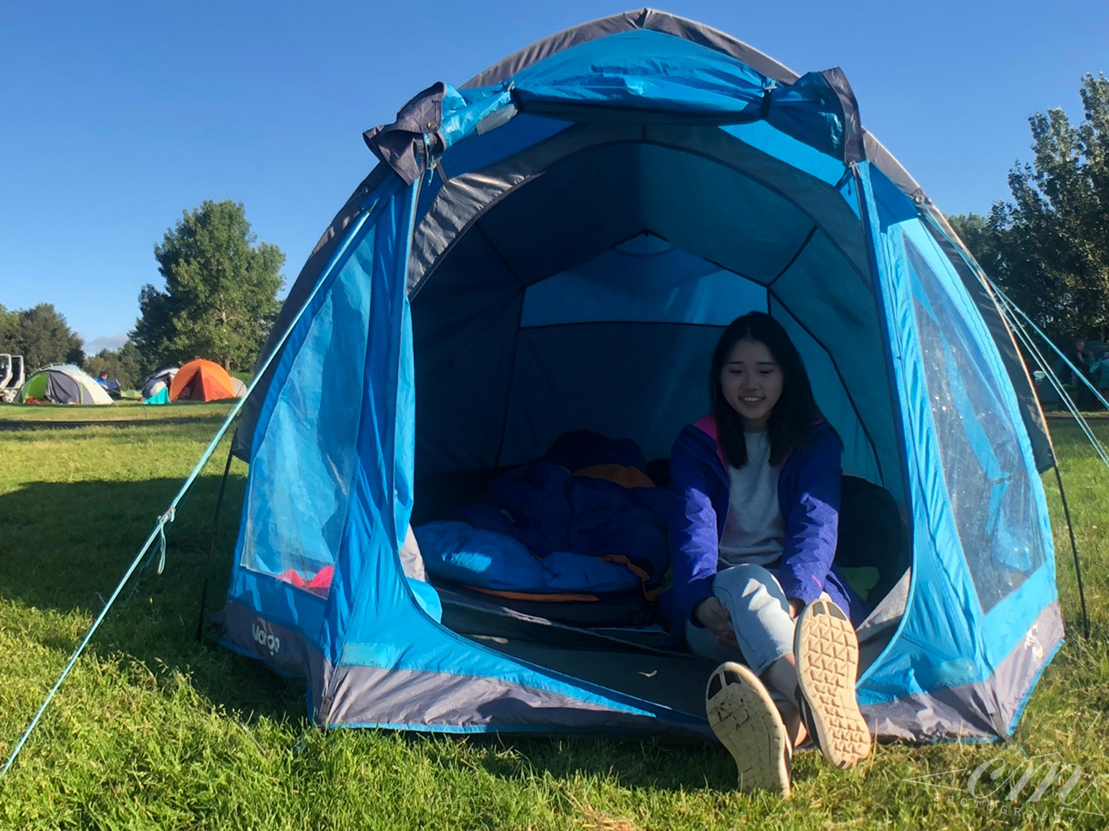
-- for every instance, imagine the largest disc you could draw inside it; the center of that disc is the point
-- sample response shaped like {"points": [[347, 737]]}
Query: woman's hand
{"points": [[711, 614], [795, 607]]}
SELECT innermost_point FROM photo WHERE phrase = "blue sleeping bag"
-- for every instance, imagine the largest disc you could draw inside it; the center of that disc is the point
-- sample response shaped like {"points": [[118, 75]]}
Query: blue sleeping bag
{"points": [[461, 553], [545, 530]]}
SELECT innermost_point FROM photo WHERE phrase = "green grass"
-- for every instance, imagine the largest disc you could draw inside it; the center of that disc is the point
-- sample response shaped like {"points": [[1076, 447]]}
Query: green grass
{"points": [[153, 730], [126, 409]]}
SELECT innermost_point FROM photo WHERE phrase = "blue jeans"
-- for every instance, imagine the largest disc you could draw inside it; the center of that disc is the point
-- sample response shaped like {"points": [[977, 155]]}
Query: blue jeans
{"points": [[760, 617]]}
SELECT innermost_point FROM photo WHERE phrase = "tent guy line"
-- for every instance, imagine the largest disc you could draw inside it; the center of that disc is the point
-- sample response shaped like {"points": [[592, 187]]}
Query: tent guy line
{"points": [[157, 534]]}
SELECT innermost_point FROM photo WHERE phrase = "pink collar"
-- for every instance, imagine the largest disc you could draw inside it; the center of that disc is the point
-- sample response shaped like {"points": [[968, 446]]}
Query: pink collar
{"points": [[707, 425]]}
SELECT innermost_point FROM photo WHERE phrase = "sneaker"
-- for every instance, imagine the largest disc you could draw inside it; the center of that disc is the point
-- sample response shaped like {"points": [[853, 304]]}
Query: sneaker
{"points": [[827, 654], [745, 719]]}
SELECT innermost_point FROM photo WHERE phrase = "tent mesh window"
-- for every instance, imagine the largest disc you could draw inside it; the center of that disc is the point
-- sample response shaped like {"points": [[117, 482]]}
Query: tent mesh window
{"points": [[987, 478], [301, 473]]}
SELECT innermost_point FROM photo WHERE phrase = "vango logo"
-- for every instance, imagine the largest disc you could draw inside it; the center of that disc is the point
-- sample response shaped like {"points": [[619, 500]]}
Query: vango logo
{"points": [[266, 639]]}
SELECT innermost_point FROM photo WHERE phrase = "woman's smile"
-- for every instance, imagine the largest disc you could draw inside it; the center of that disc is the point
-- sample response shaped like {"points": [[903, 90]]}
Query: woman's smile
{"points": [[752, 382]]}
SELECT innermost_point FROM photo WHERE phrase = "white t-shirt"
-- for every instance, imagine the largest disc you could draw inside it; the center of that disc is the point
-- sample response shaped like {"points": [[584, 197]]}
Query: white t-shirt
{"points": [[754, 529]]}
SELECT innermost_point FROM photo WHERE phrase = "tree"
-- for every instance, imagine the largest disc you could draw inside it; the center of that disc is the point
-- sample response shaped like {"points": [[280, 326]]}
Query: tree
{"points": [[981, 240], [41, 335], [9, 323], [1053, 238], [220, 297], [122, 364]]}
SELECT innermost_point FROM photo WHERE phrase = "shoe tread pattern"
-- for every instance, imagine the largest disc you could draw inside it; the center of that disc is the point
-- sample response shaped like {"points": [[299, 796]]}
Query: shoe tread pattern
{"points": [[827, 653], [745, 719]]}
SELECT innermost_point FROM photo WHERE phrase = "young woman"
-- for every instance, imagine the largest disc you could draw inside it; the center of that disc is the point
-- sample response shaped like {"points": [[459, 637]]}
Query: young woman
{"points": [[753, 530]]}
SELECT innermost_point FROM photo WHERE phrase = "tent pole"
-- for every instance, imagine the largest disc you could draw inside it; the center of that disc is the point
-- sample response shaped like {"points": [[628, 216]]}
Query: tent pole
{"points": [[212, 548], [1074, 549]]}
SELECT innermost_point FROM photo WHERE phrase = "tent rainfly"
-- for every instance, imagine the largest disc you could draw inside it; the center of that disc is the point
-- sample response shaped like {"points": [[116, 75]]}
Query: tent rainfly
{"points": [[556, 245], [202, 380], [64, 384], [158, 381]]}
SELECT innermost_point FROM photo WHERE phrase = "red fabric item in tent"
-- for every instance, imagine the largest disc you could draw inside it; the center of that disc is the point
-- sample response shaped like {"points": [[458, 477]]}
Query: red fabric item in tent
{"points": [[319, 584]]}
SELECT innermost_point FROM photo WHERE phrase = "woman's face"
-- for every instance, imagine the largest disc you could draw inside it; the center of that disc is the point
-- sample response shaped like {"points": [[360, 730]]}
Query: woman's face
{"points": [[751, 382]]}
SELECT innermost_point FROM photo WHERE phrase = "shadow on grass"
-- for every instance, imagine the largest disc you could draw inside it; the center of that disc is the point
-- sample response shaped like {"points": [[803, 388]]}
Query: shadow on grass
{"points": [[72, 543]]}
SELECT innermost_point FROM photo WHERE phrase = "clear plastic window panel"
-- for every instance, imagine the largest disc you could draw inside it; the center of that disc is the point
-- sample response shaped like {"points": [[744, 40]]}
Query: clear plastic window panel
{"points": [[987, 475]]}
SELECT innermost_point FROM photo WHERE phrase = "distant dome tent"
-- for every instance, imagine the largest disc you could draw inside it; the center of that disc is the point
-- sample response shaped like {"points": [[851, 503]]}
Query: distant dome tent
{"points": [[64, 384], [158, 381], [202, 380]]}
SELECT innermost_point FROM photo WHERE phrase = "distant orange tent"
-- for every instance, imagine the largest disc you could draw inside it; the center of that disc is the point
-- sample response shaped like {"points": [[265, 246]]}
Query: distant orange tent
{"points": [[201, 380]]}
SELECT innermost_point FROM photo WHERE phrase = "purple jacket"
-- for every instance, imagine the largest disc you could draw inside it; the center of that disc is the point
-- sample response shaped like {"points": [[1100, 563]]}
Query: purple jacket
{"points": [[808, 495]]}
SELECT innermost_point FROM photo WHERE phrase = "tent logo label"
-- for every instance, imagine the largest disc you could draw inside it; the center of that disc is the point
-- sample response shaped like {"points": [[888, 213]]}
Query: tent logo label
{"points": [[1033, 643], [1015, 788], [266, 639]]}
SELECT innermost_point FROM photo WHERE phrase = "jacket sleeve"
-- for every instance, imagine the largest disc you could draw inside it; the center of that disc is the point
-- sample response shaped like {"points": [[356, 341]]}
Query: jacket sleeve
{"points": [[812, 521], [693, 533]]}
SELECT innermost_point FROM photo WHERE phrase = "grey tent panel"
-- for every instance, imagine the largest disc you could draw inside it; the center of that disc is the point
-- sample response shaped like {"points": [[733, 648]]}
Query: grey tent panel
{"points": [[983, 710], [399, 698], [649, 19], [399, 144], [391, 697], [61, 389]]}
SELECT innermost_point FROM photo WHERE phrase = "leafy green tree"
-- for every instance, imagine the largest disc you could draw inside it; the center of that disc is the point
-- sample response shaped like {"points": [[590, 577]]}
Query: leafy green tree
{"points": [[122, 364], [220, 297], [9, 323], [980, 238], [1052, 240], [41, 335]]}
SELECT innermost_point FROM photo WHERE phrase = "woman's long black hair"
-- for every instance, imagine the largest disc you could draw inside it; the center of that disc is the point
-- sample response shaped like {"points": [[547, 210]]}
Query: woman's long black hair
{"points": [[791, 421]]}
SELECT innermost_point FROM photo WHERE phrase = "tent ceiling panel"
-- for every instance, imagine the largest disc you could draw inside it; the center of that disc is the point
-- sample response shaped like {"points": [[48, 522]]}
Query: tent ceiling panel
{"points": [[707, 195], [645, 279], [587, 202], [604, 228]]}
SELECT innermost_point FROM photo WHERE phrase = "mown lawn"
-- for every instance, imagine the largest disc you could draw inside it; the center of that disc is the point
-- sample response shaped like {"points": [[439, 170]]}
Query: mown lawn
{"points": [[124, 410], [153, 730]]}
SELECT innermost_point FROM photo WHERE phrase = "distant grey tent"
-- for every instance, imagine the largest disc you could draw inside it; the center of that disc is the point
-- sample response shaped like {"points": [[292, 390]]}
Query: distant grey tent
{"points": [[64, 384], [157, 382]]}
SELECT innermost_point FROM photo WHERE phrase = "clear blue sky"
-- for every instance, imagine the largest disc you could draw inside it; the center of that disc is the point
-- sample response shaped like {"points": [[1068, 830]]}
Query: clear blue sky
{"points": [[117, 116]]}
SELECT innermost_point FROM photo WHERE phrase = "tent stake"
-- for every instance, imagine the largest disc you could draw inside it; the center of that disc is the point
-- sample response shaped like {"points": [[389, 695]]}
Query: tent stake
{"points": [[212, 548], [1074, 549]]}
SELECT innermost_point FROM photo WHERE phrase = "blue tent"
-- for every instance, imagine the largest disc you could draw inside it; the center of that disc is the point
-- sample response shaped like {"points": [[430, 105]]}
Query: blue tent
{"points": [[556, 245]]}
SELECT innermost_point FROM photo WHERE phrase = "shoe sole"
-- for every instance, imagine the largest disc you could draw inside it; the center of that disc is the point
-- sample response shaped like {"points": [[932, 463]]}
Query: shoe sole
{"points": [[827, 653], [745, 719]]}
